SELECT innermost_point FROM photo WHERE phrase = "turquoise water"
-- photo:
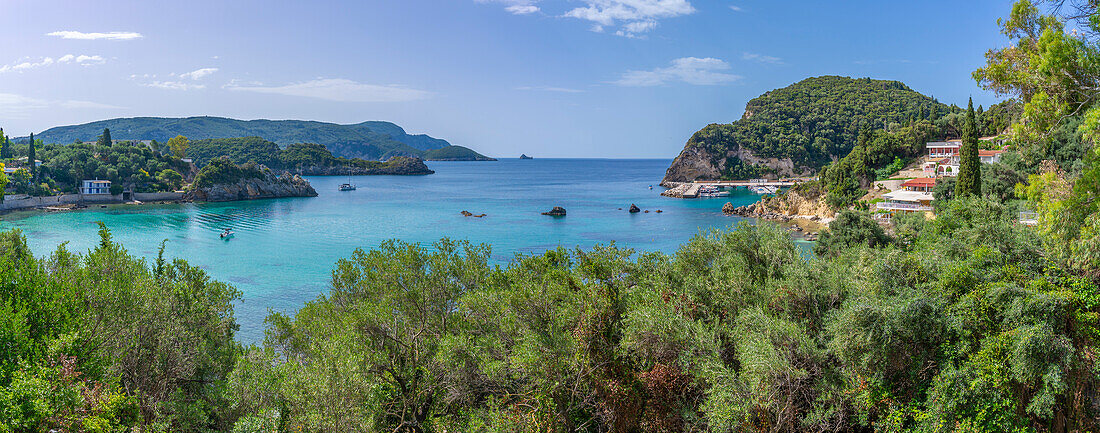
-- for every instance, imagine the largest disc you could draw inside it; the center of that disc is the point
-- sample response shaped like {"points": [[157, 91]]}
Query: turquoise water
{"points": [[283, 251]]}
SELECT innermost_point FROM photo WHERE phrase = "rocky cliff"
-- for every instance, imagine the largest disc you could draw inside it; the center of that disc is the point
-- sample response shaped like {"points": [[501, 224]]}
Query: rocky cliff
{"points": [[269, 185]]}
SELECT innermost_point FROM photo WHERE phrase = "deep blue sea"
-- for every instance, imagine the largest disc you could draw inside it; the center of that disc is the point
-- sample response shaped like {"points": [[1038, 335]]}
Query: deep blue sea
{"points": [[283, 251]]}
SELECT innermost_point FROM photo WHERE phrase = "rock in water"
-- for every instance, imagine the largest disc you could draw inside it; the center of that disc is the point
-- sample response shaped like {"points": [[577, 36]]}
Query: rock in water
{"points": [[266, 185], [727, 208], [634, 208], [556, 211]]}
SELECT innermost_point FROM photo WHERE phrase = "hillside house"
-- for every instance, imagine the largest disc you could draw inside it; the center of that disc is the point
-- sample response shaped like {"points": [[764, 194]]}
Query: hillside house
{"points": [[922, 184], [95, 187]]}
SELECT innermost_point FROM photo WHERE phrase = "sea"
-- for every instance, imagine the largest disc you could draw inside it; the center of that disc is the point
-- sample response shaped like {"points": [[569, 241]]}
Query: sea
{"points": [[283, 250]]}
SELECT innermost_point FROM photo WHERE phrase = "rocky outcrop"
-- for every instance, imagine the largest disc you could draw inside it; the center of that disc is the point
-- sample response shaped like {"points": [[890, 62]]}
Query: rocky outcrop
{"points": [[695, 162], [785, 207], [268, 186], [556, 211], [634, 208]]}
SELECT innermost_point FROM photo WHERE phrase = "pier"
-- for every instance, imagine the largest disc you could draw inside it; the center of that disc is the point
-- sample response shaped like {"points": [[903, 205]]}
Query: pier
{"points": [[691, 190]]}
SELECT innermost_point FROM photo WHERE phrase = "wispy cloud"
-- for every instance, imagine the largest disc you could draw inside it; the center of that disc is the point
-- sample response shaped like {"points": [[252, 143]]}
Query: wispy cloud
{"points": [[516, 7], [338, 89], [762, 58], [522, 9], [111, 36], [550, 89], [199, 73], [19, 106], [28, 64], [628, 18], [174, 85], [736, 8], [634, 17], [691, 70]]}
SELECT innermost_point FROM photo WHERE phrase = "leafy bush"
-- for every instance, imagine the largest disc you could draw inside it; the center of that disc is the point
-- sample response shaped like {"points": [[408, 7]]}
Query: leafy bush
{"points": [[221, 171]]}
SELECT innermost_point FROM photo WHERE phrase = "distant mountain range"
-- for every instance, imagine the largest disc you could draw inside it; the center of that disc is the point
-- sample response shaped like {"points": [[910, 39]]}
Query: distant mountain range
{"points": [[368, 140]]}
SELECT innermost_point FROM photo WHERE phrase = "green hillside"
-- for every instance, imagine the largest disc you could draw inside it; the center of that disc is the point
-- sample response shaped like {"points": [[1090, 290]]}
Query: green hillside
{"points": [[455, 153], [809, 123], [309, 158], [367, 140]]}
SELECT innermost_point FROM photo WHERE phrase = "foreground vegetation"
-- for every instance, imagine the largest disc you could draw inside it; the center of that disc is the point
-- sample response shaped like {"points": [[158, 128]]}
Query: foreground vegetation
{"points": [[964, 323]]}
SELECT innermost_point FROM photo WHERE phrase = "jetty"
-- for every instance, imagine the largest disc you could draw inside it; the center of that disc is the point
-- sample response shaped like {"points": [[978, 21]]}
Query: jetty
{"points": [[691, 189]]}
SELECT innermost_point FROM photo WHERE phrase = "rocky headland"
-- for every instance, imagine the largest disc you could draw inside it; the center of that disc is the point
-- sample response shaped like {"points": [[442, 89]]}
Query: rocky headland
{"points": [[397, 166], [269, 185]]}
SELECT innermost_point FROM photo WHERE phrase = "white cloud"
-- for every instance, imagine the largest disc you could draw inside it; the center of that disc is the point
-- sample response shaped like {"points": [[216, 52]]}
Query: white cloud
{"points": [[112, 36], [28, 64], [635, 16], [339, 89], [522, 9], [632, 17], [762, 58], [736, 8], [199, 73], [174, 85], [19, 106], [692, 70]]}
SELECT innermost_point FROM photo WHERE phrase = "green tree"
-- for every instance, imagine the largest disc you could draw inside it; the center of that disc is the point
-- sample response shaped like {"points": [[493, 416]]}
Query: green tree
{"points": [[969, 180], [179, 145], [171, 179], [851, 229], [30, 158], [105, 138]]}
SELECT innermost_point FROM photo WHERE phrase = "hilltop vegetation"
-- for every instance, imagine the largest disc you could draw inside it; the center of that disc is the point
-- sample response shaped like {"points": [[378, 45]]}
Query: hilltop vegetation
{"points": [[800, 128], [302, 158], [125, 164], [367, 140]]}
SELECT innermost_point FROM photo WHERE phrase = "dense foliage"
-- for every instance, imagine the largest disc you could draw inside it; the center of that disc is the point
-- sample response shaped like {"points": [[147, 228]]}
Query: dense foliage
{"points": [[814, 121], [221, 171], [960, 326], [125, 164], [456, 153], [367, 140], [960, 323], [295, 157], [103, 341]]}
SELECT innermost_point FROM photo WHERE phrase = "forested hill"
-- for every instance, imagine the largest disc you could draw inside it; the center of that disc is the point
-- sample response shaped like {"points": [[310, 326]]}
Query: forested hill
{"points": [[798, 129], [368, 140]]}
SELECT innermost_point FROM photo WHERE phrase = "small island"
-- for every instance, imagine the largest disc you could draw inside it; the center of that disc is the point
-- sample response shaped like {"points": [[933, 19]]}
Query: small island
{"points": [[524, 156]]}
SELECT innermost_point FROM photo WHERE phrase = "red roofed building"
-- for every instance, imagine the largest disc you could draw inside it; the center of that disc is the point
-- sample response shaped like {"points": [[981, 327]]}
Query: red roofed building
{"points": [[922, 184]]}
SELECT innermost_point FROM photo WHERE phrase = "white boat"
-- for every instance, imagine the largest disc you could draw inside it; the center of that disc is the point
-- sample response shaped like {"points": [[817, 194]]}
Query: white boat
{"points": [[708, 191], [227, 234], [347, 187], [763, 189]]}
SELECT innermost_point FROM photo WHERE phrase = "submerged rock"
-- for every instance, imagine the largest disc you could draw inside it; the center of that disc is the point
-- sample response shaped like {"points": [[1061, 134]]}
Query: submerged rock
{"points": [[556, 211]]}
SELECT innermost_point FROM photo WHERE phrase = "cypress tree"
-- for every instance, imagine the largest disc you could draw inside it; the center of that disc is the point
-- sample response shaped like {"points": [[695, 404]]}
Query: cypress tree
{"points": [[3, 144], [105, 139], [969, 181], [30, 158]]}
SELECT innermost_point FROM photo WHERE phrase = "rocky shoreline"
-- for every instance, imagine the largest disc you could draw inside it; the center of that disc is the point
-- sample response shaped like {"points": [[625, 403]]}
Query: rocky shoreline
{"points": [[271, 186]]}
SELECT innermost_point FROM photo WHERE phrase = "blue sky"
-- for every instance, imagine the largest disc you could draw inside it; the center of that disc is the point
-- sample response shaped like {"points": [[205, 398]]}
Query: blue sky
{"points": [[550, 78]]}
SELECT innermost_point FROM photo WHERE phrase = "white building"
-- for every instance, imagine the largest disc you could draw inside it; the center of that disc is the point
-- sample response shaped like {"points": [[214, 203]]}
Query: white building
{"points": [[95, 187]]}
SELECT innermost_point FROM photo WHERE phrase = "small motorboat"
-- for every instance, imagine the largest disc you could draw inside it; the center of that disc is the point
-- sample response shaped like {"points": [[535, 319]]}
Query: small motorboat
{"points": [[227, 234]]}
